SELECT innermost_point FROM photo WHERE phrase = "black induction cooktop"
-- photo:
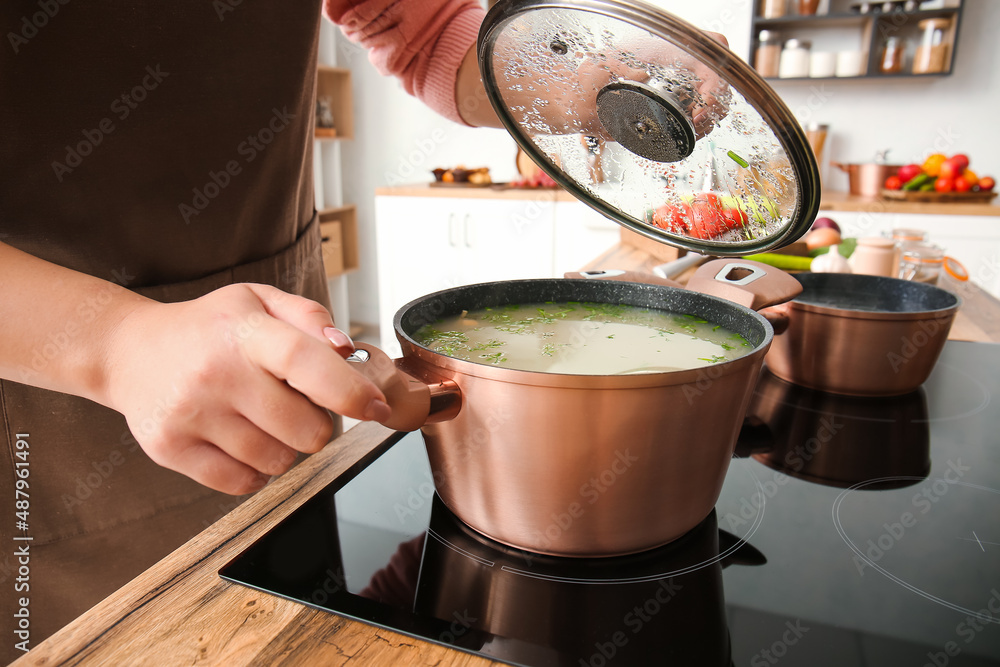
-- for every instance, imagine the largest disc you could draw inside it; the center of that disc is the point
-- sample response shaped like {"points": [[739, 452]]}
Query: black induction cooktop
{"points": [[849, 532]]}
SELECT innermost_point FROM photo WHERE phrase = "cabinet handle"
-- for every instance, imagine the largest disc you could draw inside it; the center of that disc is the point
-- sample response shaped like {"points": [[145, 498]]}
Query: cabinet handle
{"points": [[468, 230], [453, 231]]}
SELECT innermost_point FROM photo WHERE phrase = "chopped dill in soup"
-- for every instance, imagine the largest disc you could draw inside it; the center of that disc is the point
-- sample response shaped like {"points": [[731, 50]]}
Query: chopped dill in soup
{"points": [[583, 339]]}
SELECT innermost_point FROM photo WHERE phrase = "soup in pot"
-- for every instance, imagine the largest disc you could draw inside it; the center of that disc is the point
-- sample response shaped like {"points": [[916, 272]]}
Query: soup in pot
{"points": [[583, 339]]}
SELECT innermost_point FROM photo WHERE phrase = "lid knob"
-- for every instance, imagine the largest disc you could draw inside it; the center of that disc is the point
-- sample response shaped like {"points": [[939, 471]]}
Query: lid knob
{"points": [[648, 121]]}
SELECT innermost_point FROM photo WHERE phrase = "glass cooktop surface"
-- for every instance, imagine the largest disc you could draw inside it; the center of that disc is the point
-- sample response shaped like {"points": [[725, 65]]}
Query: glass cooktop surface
{"points": [[849, 532]]}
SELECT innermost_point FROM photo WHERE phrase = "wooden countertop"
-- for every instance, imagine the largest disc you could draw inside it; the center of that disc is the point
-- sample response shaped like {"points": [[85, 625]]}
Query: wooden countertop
{"points": [[180, 611], [831, 201]]}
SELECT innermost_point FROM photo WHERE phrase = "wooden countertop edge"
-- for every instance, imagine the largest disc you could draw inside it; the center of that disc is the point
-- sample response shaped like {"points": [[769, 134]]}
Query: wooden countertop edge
{"points": [[181, 611]]}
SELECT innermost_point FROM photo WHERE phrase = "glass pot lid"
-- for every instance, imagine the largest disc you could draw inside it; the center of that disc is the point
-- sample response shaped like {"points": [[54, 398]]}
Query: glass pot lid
{"points": [[651, 122]]}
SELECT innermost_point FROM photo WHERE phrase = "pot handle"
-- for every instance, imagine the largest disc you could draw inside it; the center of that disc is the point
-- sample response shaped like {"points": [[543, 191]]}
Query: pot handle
{"points": [[416, 396], [624, 276], [748, 283], [843, 167]]}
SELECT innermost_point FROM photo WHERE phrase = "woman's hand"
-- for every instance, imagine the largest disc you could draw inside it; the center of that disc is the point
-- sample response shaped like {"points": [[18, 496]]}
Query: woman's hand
{"points": [[229, 388]]}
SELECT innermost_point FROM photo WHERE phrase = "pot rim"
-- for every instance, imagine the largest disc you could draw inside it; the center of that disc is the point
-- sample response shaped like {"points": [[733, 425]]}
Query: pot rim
{"points": [[412, 349], [884, 315]]}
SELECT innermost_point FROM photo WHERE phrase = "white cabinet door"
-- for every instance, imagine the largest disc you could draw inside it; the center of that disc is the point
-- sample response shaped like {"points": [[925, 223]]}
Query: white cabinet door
{"points": [[582, 234], [426, 244], [506, 240], [419, 251]]}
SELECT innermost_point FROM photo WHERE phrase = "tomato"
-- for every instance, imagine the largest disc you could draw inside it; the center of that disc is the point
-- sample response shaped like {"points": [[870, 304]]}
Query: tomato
{"points": [[670, 218], [736, 216], [944, 184], [905, 173], [894, 182], [962, 185], [960, 160], [932, 165], [971, 177], [948, 170], [987, 183]]}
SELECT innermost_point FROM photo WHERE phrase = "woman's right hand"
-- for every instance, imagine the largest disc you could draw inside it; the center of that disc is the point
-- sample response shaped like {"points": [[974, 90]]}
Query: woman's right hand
{"points": [[228, 388]]}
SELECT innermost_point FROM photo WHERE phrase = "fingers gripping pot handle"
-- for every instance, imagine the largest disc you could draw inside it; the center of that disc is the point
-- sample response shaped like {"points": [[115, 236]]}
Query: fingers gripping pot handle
{"points": [[416, 395]]}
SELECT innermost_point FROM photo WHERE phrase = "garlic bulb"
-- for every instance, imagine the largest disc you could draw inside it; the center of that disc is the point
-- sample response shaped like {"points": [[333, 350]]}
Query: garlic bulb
{"points": [[831, 262]]}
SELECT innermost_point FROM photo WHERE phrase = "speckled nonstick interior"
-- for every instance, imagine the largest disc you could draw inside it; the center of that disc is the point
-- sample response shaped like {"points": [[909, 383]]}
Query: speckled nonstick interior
{"points": [[873, 294]]}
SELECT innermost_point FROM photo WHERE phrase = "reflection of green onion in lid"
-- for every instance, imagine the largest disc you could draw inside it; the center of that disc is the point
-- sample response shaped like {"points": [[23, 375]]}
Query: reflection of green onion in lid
{"points": [[738, 160]]}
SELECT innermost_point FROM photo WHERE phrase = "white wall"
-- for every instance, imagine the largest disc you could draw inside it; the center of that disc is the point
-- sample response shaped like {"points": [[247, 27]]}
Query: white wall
{"points": [[400, 140]]}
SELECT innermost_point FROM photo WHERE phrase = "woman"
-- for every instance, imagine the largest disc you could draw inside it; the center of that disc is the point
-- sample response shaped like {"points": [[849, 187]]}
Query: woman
{"points": [[163, 305]]}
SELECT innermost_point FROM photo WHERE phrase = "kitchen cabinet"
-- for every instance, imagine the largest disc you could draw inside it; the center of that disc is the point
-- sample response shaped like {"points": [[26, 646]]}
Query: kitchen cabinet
{"points": [[844, 28], [974, 240], [429, 243]]}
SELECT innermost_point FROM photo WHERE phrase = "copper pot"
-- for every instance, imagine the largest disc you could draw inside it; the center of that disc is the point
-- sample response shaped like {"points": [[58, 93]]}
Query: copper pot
{"points": [[862, 335], [867, 180], [581, 465]]}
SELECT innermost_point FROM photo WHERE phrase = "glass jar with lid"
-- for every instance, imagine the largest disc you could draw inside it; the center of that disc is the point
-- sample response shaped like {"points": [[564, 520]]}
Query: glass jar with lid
{"points": [[772, 9], [794, 61], [921, 262], [932, 53], [893, 54], [768, 54]]}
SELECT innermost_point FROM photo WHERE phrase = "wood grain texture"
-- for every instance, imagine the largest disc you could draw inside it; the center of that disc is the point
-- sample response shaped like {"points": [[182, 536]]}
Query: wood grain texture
{"points": [[179, 612]]}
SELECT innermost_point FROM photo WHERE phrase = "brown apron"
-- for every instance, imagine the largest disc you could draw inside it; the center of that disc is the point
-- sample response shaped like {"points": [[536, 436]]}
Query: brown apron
{"points": [[166, 147]]}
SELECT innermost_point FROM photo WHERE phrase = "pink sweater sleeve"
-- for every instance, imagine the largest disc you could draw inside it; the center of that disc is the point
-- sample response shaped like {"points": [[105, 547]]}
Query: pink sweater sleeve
{"points": [[422, 42]]}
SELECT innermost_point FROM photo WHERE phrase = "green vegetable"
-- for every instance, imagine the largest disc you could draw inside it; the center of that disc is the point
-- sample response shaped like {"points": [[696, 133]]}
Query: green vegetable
{"points": [[846, 248], [738, 160], [917, 181], [927, 187], [787, 262]]}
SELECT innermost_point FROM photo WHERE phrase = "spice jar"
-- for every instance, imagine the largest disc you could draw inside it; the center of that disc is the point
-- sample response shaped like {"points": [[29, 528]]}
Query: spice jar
{"points": [[902, 236], [768, 54], [921, 262], [932, 53], [892, 56], [873, 256], [772, 9], [794, 59]]}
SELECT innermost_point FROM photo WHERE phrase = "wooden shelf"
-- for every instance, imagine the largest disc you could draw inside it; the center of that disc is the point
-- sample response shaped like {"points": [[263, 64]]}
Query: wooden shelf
{"points": [[873, 28], [339, 228], [334, 84]]}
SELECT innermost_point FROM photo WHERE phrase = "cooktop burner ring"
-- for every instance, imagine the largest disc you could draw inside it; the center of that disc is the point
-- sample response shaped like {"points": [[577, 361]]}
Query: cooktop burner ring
{"points": [[868, 561]]}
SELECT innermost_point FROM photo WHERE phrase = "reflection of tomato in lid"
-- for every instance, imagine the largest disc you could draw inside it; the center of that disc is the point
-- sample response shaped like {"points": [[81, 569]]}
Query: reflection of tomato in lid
{"points": [[696, 150]]}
